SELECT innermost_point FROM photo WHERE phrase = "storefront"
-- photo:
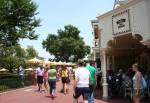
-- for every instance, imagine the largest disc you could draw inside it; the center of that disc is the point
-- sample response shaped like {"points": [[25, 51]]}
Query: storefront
{"points": [[125, 37]]}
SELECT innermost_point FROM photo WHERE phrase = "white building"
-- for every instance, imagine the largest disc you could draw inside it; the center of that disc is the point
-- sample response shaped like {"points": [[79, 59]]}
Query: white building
{"points": [[96, 42], [124, 37]]}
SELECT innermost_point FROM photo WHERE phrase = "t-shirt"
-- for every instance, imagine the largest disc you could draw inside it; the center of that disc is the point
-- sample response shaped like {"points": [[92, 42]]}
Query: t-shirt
{"points": [[83, 76], [52, 74], [21, 71], [92, 71], [39, 71]]}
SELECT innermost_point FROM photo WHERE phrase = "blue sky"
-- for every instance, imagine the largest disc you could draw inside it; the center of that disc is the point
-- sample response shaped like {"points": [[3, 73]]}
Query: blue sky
{"points": [[57, 13]]}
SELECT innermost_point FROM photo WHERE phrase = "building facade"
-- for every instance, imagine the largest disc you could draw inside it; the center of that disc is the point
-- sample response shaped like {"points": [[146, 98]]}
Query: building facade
{"points": [[96, 43], [124, 37]]}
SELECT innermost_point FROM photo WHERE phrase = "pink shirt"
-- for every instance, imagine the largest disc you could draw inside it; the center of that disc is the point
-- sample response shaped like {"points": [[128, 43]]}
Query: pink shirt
{"points": [[45, 75]]}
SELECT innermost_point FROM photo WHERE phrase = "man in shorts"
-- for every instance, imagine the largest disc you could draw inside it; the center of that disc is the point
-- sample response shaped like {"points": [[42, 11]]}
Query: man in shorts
{"points": [[81, 83]]}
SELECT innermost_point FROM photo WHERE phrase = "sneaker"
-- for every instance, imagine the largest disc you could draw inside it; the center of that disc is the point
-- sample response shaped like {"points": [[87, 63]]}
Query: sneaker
{"points": [[53, 97]]}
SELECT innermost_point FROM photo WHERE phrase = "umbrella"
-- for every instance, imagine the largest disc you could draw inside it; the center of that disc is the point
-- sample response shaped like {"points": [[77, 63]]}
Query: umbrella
{"points": [[3, 70], [60, 63], [29, 69], [54, 63], [70, 64], [35, 61], [46, 62]]}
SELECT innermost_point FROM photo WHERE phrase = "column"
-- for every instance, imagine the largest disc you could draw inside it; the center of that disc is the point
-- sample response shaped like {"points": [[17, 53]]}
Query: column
{"points": [[105, 84]]}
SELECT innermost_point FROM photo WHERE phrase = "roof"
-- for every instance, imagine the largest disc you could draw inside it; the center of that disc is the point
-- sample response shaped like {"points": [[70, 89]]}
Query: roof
{"points": [[127, 5]]}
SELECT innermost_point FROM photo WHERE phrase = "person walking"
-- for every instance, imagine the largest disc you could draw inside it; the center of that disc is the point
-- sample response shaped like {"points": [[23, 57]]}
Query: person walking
{"points": [[34, 77], [65, 79], [81, 83], [39, 73], [137, 83], [93, 81], [45, 78], [52, 74], [21, 74]]}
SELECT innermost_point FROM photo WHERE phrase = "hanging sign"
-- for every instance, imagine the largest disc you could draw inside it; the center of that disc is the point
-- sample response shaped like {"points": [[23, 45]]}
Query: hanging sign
{"points": [[121, 23]]}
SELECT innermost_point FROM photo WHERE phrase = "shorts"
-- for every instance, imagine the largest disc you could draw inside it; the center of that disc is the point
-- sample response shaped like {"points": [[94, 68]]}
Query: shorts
{"points": [[84, 91], [64, 79], [40, 79]]}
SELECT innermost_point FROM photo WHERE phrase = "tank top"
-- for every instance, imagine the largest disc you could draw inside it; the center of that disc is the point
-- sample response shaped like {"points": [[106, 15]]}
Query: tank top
{"points": [[64, 73], [135, 82]]}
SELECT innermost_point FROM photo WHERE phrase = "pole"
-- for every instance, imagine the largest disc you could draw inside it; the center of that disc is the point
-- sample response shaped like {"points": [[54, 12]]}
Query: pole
{"points": [[105, 84]]}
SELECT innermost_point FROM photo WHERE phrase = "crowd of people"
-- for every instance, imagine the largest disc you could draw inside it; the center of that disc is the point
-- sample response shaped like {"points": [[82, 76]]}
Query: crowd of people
{"points": [[84, 80], [134, 81], [49, 75]]}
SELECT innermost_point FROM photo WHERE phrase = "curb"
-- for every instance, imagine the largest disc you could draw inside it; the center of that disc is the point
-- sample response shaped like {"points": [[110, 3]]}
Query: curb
{"points": [[9, 91]]}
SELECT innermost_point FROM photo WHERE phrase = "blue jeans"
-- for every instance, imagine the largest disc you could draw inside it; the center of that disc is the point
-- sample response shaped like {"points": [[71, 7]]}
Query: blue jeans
{"points": [[84, 91], [91, 95], [52, 85]]}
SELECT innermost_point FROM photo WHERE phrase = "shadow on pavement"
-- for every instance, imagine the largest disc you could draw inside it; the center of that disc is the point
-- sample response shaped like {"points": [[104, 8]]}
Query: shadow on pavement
{"points": [[98, 96]]}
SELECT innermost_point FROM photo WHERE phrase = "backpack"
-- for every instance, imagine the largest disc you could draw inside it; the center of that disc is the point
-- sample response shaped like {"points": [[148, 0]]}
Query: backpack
{"points": [[144, 84]]}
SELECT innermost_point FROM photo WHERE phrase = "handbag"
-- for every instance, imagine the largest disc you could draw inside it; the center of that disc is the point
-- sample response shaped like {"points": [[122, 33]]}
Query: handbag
{"points": [[144, 84]]}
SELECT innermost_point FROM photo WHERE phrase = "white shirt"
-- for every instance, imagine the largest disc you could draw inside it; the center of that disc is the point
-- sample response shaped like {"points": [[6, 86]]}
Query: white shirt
{"points": [[21, 71], [39, 71], [83, 76]]}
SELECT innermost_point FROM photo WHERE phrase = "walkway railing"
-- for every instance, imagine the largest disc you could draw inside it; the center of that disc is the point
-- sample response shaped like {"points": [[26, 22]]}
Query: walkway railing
{"points": [[13, 82]]}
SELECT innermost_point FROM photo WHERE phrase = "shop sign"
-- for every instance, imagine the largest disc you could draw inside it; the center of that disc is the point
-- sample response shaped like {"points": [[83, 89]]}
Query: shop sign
{"points": [[121, 23]]}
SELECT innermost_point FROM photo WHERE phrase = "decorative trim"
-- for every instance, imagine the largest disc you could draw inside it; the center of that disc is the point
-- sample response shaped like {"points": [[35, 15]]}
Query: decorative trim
{"points": [[133, 2]]}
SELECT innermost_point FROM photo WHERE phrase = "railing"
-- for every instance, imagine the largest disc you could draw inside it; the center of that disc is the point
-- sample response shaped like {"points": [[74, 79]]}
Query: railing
{"points": [[13, 82]]}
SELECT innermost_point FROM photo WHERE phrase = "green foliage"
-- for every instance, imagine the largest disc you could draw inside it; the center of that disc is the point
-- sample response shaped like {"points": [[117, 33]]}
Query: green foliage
{"points": [[11, 62], [31, 52], [19, 52], [12, 51], [17, 21], [12, 57], [66, 45], [10, 81]]}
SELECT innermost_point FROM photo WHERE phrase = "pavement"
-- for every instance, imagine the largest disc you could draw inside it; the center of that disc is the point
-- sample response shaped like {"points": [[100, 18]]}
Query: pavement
{"points": [[31, 95]]}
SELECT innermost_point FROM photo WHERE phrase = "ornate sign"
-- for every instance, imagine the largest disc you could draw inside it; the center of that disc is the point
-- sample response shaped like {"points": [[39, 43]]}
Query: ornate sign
{"points": [[121, 23]]}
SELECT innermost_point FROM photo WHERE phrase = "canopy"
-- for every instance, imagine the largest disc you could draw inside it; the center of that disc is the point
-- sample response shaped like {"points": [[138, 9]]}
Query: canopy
{"points": [[35, 61], [3, 70], [29, 69]]}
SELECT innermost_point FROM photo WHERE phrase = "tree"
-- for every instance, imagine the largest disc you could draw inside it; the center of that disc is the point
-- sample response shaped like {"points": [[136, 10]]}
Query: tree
{"points": [[17, 21], [31, 52], [12, 57], [67, 44], [11, 62], [12, 51]]}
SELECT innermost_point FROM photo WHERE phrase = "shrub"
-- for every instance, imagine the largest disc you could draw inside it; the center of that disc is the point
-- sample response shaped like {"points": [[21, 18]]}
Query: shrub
{"points": [[12, 81]]}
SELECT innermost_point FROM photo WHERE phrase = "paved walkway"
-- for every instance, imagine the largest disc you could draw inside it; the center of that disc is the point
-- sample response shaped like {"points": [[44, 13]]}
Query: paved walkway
{"points": [[30, 95]]}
